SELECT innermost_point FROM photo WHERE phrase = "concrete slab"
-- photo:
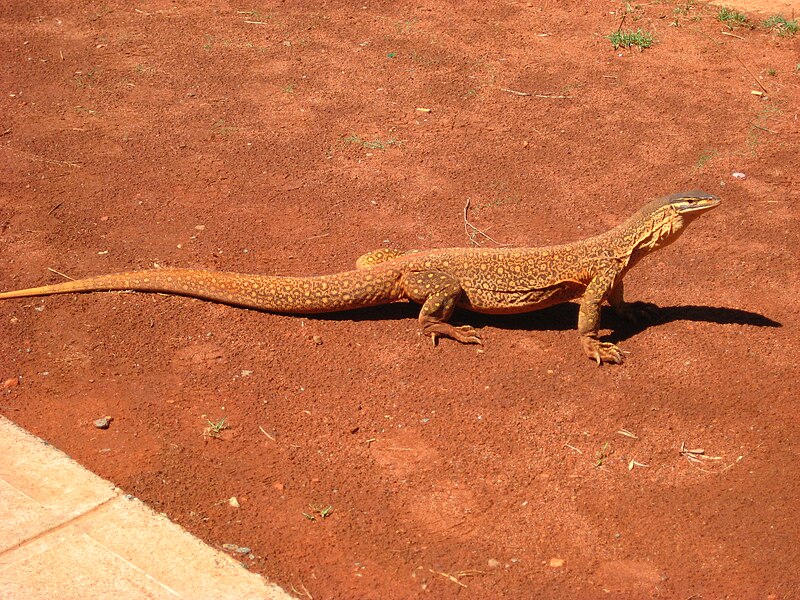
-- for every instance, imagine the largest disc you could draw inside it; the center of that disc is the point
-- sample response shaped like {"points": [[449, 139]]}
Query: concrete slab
{"points": [[41, 487], [66, 533]]}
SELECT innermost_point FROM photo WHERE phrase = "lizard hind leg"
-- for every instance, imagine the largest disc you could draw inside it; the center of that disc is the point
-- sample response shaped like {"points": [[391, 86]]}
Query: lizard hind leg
{"points": [[438, 292]]}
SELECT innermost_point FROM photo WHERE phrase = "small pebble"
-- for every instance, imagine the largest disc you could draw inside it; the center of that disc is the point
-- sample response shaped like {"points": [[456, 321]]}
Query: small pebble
{"points": [[234, 502], [738, 175], [279, 486], [11, 382], [236, 548], [103, 422], [556, 562], [493, 563], [317, 340]]}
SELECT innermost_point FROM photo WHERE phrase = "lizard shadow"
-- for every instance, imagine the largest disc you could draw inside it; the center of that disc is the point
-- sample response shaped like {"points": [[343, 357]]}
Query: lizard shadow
{"points": [[623, 330], [564, 317]]}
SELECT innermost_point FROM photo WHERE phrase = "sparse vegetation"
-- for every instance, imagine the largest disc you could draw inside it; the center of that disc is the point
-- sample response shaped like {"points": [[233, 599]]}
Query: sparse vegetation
{"points": [[215, 427], [782, 26], [627, 39], [602, 456], [705, 156], [376, 144], [316, 512], [83, 79], [223, 128], [731, 17], [682, 9]]}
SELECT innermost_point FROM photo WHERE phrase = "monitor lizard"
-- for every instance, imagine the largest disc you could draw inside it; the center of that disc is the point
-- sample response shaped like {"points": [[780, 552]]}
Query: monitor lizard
{"points": [[484, 280]]}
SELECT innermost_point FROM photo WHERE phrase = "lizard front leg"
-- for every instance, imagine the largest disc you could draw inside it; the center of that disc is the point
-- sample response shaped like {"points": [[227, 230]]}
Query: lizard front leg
{"points": [[438, 292], [634, 312], [589, 322]]}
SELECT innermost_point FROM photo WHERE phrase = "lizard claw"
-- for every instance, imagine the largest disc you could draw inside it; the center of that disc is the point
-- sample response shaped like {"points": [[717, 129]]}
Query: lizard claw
{"points": [[602, 352], [466, 334]]}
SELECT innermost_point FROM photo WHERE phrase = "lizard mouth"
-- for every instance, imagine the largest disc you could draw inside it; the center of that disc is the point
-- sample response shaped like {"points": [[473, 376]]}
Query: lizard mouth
{"points": [[697, 204]]}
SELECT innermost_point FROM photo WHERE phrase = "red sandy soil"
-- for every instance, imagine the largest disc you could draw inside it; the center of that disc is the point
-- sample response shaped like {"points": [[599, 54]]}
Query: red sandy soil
{"points": [[286, 138]]}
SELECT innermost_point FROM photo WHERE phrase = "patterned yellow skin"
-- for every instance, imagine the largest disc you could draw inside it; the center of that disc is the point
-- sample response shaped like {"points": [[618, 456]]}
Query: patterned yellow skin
{"points": [[484, 280]]}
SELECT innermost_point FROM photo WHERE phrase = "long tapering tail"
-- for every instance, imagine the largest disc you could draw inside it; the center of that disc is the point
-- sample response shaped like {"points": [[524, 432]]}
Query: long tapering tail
{"points": [[309, 295]]}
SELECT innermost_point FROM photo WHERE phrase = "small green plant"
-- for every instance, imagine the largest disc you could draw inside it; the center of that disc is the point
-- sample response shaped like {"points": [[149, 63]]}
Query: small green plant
{"points": [[601, 456], [731, 17], [627, 39], [771, 72], [214, 428], [782, 26], [316, 511]]}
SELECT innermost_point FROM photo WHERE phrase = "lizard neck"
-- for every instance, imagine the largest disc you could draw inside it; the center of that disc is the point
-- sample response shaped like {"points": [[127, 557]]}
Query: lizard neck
{"points": [[641, 234]]}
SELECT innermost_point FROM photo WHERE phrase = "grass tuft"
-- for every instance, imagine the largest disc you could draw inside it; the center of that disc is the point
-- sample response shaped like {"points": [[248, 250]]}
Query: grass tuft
{"points": [[782, 26], [731, 17], [627, 39]]}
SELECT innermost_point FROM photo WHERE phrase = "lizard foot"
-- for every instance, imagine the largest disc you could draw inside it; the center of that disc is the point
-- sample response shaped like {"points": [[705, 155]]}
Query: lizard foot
{"points": [[638, 312], [466, 334], [601, 352]]}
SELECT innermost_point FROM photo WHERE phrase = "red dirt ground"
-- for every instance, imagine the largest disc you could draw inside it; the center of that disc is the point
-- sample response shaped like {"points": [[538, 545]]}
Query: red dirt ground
{"points": [[286, 139]]}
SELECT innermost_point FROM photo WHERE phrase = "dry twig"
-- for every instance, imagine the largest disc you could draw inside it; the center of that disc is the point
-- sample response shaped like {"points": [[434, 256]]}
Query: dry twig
{"points": [[471, 230], [514, 92], [455, 578], [265, 433], [62, 274], [732, 35]]}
